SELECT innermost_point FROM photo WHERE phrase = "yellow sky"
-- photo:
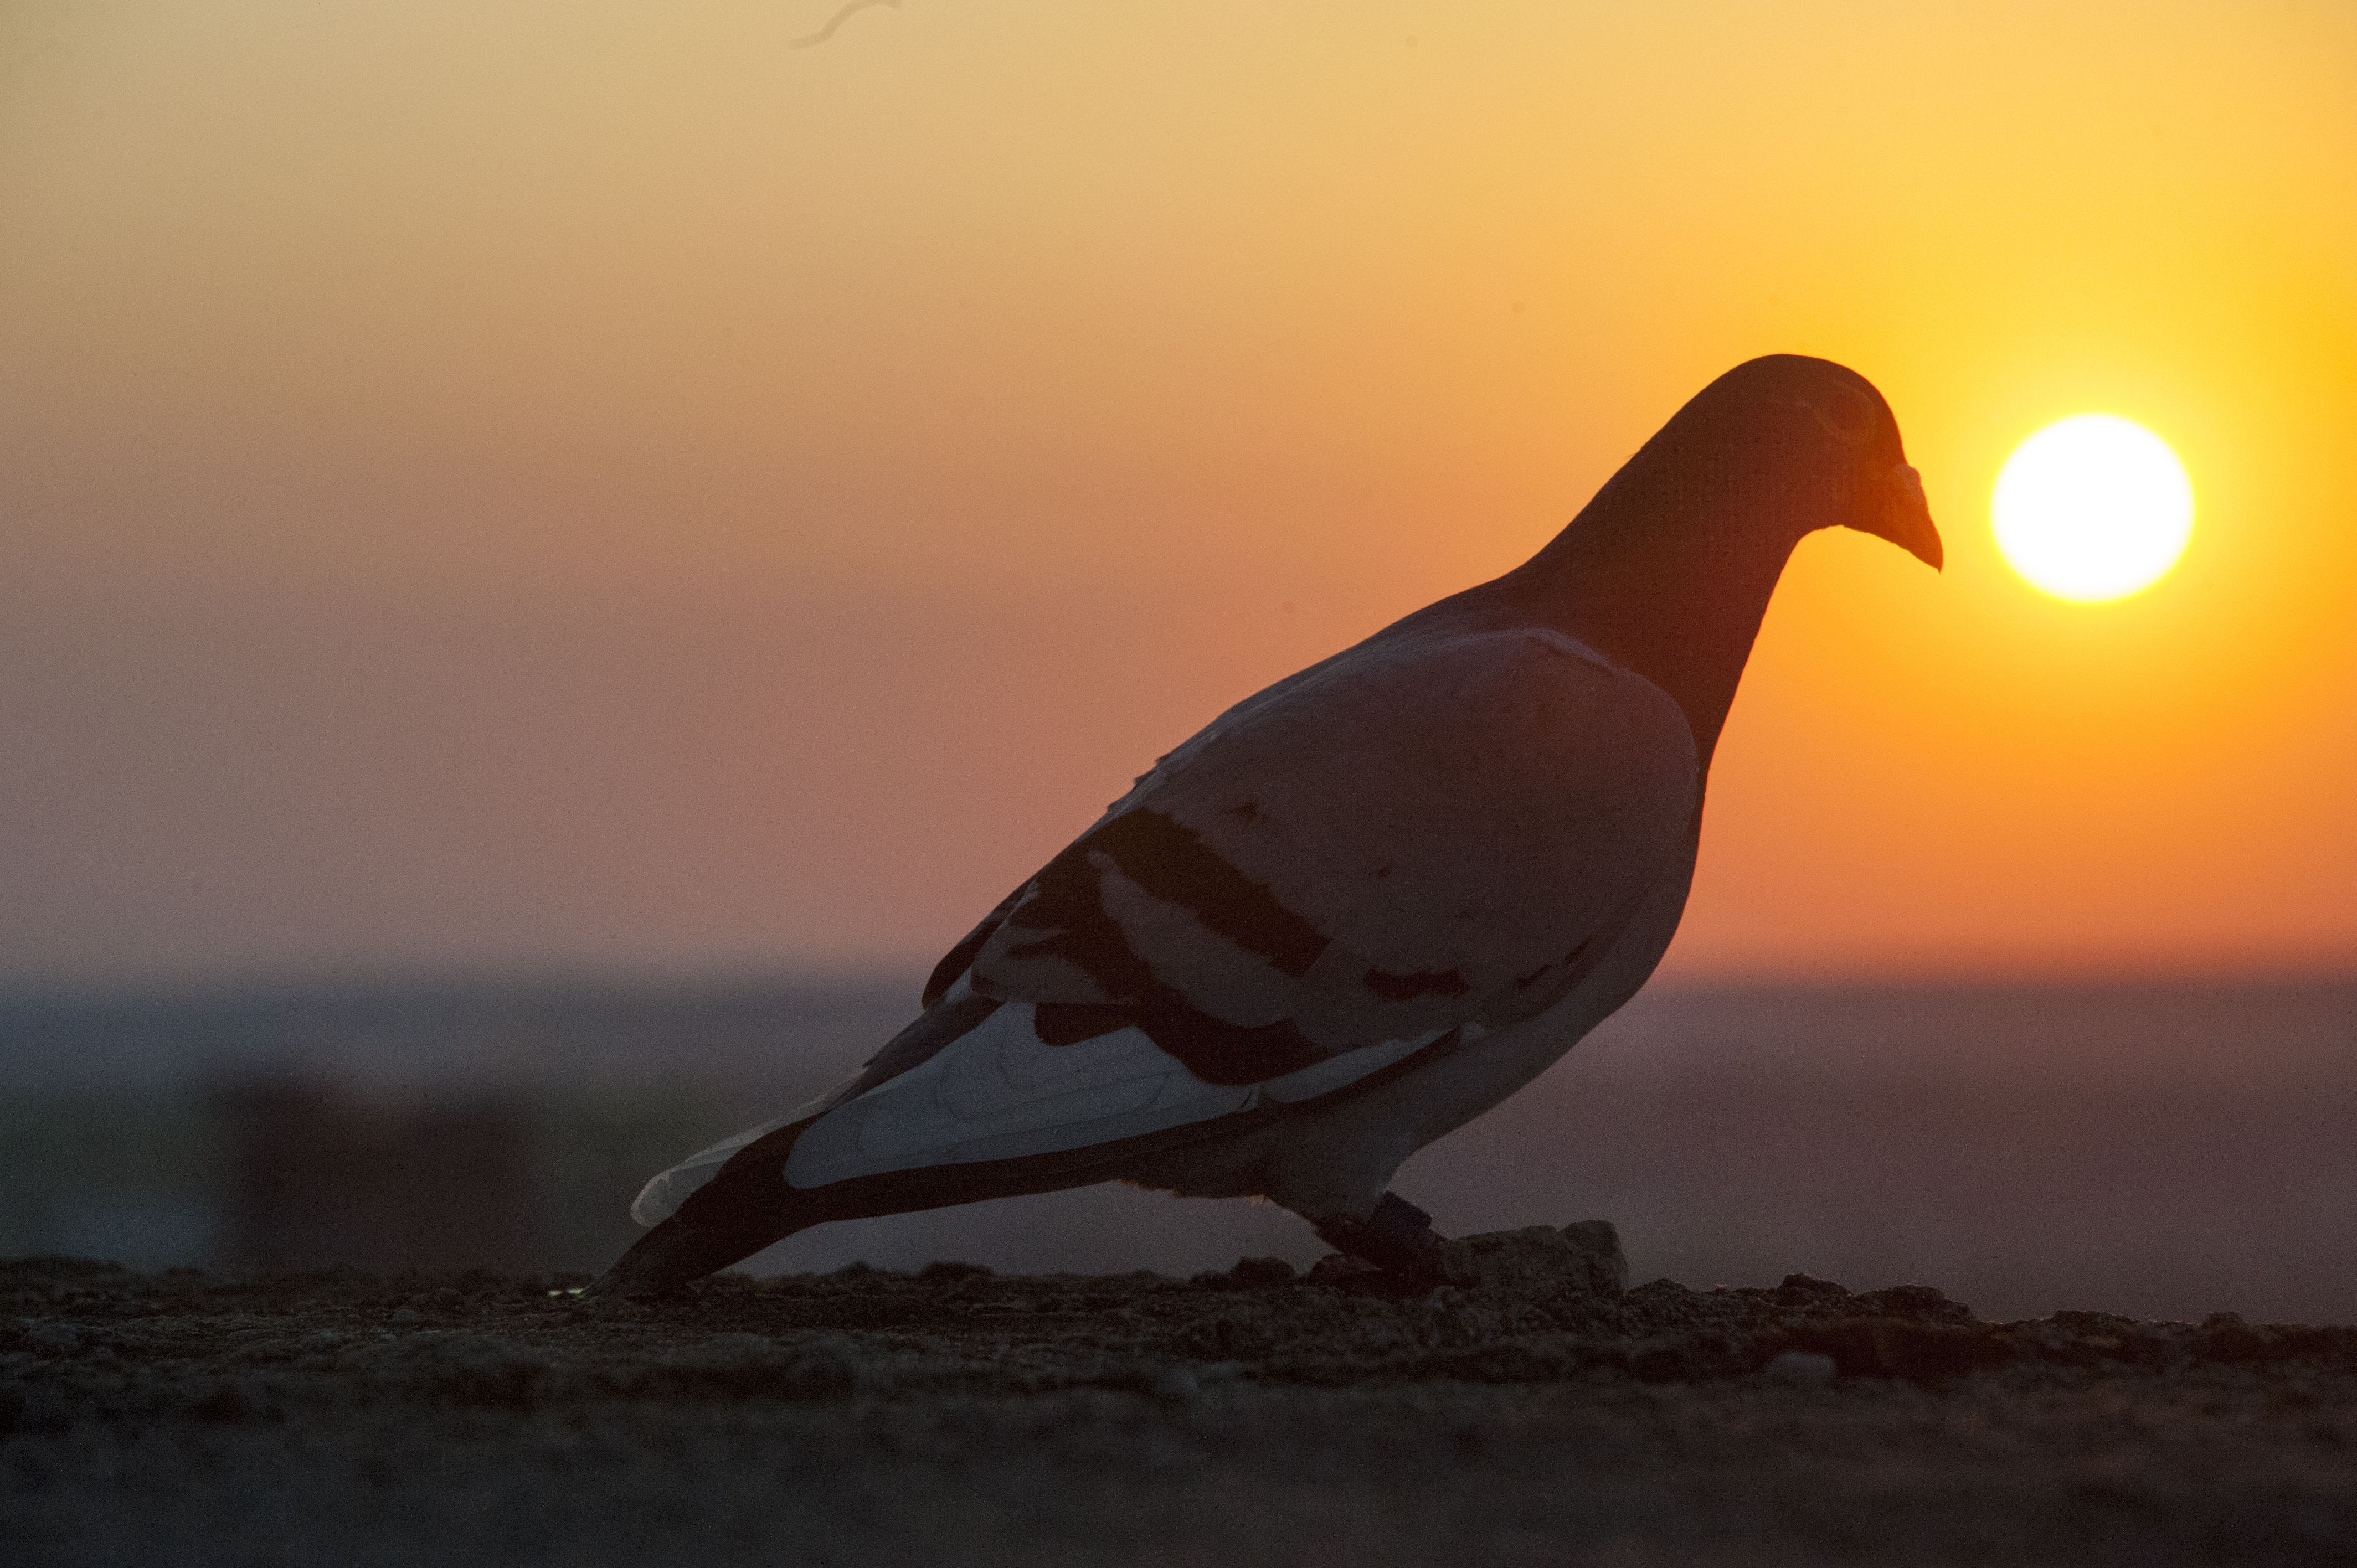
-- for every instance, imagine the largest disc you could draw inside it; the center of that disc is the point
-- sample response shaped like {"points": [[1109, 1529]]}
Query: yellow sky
{"points": [[596, 483]]}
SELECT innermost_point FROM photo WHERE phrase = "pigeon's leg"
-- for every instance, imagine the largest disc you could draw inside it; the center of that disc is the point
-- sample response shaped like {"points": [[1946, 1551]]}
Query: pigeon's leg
{"points": [[1396, 1238]]}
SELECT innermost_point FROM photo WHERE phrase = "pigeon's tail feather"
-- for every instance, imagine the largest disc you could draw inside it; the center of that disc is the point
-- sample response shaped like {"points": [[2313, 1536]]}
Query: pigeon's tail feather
{"points": [[745, 1207], [678, 1251]]}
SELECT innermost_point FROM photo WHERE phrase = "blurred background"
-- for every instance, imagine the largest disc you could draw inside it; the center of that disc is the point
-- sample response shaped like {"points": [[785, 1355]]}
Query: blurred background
{"points": [[2166, 1150], [551, 557]]}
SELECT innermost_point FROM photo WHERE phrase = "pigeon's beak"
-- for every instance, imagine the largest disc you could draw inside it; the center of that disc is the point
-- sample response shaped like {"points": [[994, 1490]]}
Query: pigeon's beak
{"points": [[1904, 517]]}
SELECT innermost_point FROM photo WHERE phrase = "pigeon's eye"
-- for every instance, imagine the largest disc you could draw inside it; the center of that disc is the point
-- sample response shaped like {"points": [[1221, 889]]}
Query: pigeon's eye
{"points": [[1845, 413]]}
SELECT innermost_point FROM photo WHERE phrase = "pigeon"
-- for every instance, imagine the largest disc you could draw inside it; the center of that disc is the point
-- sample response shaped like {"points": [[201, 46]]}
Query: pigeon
{"points": [[1360, 906]]}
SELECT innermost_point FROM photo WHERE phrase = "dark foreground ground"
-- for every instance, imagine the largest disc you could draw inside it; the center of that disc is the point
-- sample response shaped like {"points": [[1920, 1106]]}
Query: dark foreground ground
{"points": [[1528, 1413]]}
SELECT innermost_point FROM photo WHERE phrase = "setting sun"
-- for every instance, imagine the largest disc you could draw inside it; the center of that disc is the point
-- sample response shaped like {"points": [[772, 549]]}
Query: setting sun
{"points": [[2093, 508]]}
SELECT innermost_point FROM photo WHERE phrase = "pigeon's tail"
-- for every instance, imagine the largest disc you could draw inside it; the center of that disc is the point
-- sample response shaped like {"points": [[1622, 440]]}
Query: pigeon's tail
{"points": [[744, 1207]]}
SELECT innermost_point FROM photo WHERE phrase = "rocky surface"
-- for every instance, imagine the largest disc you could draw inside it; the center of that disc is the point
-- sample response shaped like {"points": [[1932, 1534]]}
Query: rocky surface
{"points": [[1528, 1411]]}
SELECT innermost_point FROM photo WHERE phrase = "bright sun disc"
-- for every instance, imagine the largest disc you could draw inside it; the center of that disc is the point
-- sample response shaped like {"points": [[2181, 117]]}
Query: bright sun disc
{"points": [[2093, 508]]}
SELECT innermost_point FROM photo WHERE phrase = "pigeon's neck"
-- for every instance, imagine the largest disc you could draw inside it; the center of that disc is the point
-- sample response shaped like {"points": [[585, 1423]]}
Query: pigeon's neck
{"points": [[1669, 575]]}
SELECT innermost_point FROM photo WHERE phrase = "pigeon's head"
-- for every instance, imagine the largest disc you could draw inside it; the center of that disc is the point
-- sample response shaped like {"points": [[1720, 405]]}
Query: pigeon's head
{"points": [[1824, 440]]}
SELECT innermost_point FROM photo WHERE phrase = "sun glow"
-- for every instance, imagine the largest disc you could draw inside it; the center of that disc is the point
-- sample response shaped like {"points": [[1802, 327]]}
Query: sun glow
{"points": [[2093, 508]]}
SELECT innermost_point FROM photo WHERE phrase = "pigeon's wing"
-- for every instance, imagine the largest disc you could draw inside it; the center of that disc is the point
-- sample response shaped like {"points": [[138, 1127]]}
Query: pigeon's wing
{"points": [[1431, 835], [960, 958], [1420, 844]]}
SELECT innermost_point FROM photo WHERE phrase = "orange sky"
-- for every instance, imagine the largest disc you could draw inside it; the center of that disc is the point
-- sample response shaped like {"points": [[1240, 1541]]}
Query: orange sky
{"points": [[594, 484]]}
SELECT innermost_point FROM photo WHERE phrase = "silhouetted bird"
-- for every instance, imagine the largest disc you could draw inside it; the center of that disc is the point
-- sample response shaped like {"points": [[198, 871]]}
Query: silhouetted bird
{"points": [[1361, 906]]}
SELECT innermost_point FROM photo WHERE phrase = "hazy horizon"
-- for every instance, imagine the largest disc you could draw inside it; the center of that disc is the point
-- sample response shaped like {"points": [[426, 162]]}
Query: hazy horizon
{"points": [[892, 977], [2163, 1149]]}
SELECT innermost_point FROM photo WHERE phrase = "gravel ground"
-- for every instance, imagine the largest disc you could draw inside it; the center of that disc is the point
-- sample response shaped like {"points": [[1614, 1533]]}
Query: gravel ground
{"points": [[1527, 1412]]}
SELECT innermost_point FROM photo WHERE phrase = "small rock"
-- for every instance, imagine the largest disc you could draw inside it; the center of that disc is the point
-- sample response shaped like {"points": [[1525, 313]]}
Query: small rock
{"points": [[1920, 1303], [1801, 1369], [1262, 1271], [1601, 1239], [2222, 1336], [1176, 1384], [1584, 1258], [949, 1269], [1802, 1290], [1338, 1270], [1899, 1347]]}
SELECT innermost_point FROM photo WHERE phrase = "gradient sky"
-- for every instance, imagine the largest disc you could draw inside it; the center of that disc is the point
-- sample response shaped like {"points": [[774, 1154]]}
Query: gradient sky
{"points": [[593, 485]]}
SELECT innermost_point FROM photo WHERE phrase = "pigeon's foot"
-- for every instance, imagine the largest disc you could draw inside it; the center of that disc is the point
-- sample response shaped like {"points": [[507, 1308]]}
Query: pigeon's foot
{"points": [[1397, 1237]]}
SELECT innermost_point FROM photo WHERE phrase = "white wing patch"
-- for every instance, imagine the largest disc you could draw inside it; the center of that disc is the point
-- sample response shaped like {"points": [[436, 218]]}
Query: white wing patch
{"points": [[999, 1092]]}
